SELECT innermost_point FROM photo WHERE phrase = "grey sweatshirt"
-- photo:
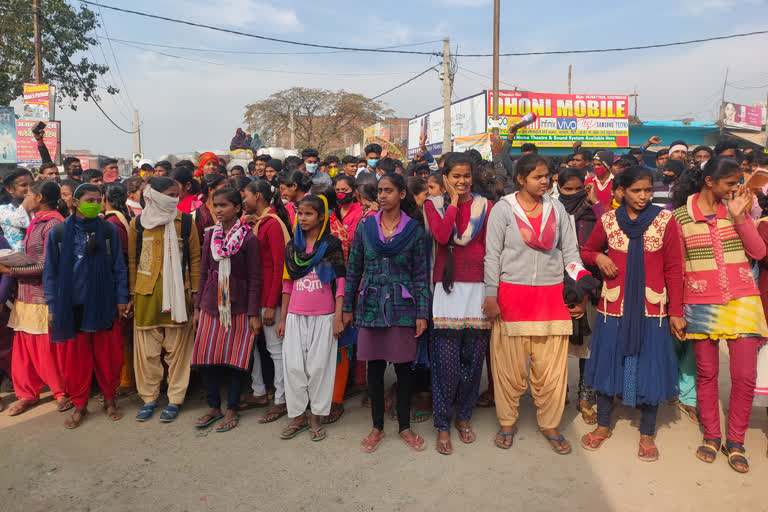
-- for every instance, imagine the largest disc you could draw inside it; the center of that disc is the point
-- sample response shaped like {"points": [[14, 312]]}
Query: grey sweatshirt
{"points": [[509, 259]]}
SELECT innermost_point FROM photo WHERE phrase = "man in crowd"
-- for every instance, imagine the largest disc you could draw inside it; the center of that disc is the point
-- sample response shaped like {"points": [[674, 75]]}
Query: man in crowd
{"points": [[702, 154], [259, 164], [372, 156], [49, 171], [726, 148], [349, 165], [311, 159], [109, 170], [72, 168], [162, 168]]}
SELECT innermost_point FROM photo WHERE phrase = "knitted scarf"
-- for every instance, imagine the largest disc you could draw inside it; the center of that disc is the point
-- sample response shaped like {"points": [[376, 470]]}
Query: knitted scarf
{"points": [[223, 247]]}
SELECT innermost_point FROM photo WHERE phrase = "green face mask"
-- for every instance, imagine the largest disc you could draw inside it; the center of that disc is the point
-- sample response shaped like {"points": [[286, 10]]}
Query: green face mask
{"points": [[90, 210]]}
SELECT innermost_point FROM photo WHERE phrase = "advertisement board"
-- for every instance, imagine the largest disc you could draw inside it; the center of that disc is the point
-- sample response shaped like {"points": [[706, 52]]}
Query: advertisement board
{"points": [[480, 142], [380, 130], [39, 102], [7, 136], [467, 118], [26, 145], [742, 117], [594, 119]]}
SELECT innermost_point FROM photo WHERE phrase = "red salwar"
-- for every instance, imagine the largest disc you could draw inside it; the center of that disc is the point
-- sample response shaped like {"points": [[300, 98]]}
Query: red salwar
{"points": [[35, 363], [99, 352]]}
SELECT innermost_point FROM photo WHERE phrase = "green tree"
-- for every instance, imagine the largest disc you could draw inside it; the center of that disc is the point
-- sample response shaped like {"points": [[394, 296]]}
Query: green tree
{"points": [[64, 31], [323, 119]]}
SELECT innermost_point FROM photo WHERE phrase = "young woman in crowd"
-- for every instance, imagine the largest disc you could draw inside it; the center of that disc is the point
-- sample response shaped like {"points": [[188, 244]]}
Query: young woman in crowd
{"points": [[266, 214], [227, 309], [418, 189], [530, 243], [189, 189], [366, 186], [294, 185], [387, 297], [205, 218], [582, 205], [164, 271], [459, 339], [239, 182], [35, 360], [85, 282], [350, 211], [721, 298], [435, 184], [310, 320], [116, 212], [14, 212], [632, 350], [133, 187], [67, 189], [273, 167]]}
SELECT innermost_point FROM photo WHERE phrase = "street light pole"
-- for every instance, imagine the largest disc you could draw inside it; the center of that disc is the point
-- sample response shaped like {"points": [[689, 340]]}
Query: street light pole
{"points": [[496, 11]]}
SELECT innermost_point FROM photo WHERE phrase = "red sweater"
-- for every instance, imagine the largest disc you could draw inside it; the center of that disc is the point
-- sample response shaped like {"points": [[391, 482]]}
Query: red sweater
{"points": [[469, 258], [272, 250]]}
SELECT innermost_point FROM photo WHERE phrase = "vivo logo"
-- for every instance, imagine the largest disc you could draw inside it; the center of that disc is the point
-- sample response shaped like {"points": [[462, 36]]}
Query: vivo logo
{"points": [[566, 123]]}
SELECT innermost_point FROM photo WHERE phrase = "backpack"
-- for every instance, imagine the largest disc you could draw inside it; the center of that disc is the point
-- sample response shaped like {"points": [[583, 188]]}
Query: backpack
{"points": [[186, 230], [58, 236]]}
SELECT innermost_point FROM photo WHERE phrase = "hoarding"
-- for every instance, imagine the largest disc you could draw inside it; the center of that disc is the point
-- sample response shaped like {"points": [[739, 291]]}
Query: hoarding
{"points": [[594, 119], [39, 102], [480, 142], [742, 117], [26, 145], [467, 118], [7, 136], [381, 130]]}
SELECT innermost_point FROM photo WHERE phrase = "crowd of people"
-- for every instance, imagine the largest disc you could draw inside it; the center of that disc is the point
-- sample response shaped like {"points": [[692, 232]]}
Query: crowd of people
{"points": [[300, 280]]}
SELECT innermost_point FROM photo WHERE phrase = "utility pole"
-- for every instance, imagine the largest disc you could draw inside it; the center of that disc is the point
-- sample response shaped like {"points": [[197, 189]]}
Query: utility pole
{"points": [[496, 14], [293, 133], [570, 68], [635, 95], [38, 42], [722, 103], [137, 134], [447, 96]]}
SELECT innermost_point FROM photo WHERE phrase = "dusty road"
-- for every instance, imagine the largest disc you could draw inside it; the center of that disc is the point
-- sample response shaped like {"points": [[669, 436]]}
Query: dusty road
{"points": [[130, 466]]}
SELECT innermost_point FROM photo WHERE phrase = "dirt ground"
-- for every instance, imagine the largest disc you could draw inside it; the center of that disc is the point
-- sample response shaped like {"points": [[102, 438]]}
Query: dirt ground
{"points": [[129, 466]]}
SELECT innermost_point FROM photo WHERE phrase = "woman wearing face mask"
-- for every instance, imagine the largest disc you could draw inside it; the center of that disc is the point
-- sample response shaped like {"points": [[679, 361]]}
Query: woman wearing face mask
{"points": [[582, 205], [350, 211], [603, 179], [164, 271]]}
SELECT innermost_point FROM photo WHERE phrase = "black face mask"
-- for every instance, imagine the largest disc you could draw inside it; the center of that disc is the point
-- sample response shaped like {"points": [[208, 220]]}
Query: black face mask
{"points": [[667, 179], [572, 201], [344, 198]]}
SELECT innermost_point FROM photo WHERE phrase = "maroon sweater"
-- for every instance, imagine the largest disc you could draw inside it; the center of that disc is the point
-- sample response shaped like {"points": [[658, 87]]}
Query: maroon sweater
{"points": [[244, 280]]}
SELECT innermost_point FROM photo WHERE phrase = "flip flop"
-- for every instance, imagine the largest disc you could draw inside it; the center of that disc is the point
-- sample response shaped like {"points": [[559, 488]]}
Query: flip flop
{"points": [[559, 441], [467, 431], [589, 445], [369, 445], [65, 406], [293, 431], [333, 417], [233, 423], [416, 444], [246, 404], [21, 406], [318, 435], [272, 416], [504, 435], [648, 458], [207, 423], [447, 447]]}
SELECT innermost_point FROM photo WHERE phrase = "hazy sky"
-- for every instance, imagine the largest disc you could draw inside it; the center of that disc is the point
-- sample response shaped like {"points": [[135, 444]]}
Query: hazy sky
{"points": [[187, 105]]}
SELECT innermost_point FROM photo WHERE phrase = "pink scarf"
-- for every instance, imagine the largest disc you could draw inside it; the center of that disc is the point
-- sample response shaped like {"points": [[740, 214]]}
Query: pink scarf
{"points": [[41, 216], [223, 247]]}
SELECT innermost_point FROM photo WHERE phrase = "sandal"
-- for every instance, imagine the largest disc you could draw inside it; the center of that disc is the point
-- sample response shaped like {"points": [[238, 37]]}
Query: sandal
{"points": [[588, 415], [252, 403], [559, 440], [588, 441], [292, 431], [274, 413], [317, 435], [369, 444], [20, 406], [116, 413], [644, 456], [736, 456], [207, 420], [337, 410], [503, 444], [229, 424], [420, 416], [466, 434], [64, 406], [690, 412], [73, 423], [708, 449], [416, 443], [444, 446], [485, 400]]}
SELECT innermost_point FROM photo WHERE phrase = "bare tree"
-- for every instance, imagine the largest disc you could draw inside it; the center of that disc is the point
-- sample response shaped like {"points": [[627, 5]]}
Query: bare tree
{"points": [[322, 118]]}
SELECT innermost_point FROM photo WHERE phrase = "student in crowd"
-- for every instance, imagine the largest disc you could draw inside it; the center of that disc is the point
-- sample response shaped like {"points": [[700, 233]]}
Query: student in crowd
{"points": [[721, 298], [418, 189], [94, 177], [349, 165], [310, 321], [237, 170], [678, 150], [662, 156], [603, 179], [530, 243], [16, 205], [208, 164], [350, 210], [239, 183], [260, 165], [366, 187], [67, 190], [702, 154], [134, 187], [294, 185], [372, 155], [85, 282], [205, 218], [35, 360], [273, 167], [632, 350], [164, 271], [162, 168], [459, 339], [670, 176], [189, 189], [387, 297], [73, 168], [266, 214], [227, 309], [582, 205], [435, 186]]}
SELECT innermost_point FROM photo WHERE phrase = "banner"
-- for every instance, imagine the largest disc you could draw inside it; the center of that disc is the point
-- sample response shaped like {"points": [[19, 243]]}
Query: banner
{"points": [[596, 120], [480, 142], [742, 117], [39, 102], [380, 130], [7, 136], [26, 145], [467, 118]]}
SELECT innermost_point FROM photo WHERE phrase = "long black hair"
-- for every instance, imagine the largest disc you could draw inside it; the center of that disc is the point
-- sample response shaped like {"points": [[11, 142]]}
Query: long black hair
{"points": [[5, 196], [51, 194], [272, 197], [316, 204], [116, 194], [366, 185], [183, 175], [627, 178], [209, 183], [232, 195], [408, 204], [321, 189], [162, 183], [526, 164], [692, 179]]}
